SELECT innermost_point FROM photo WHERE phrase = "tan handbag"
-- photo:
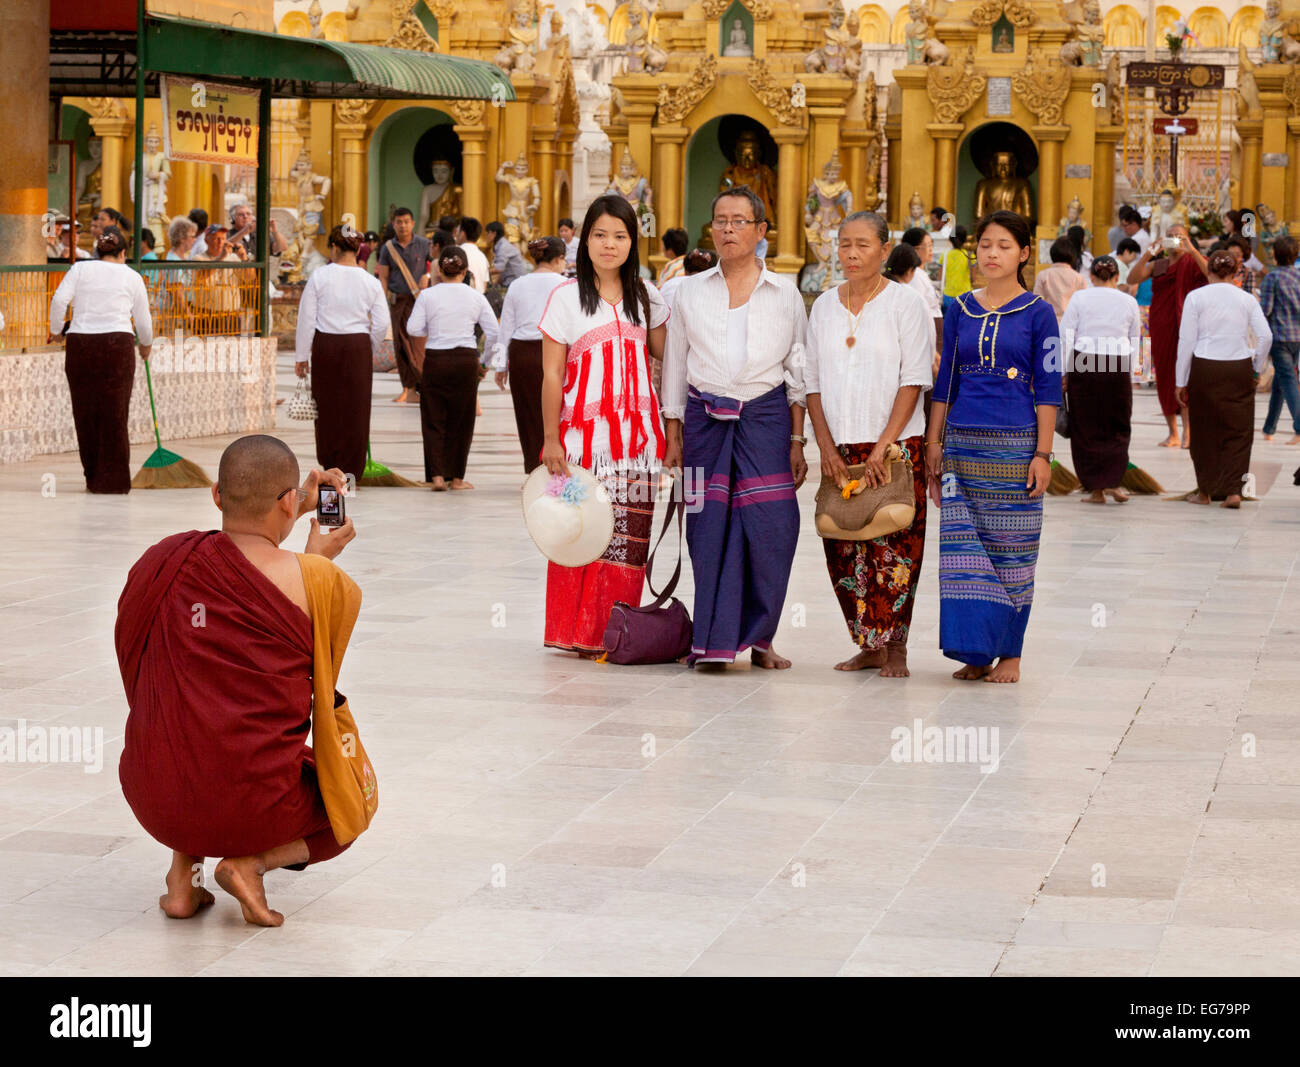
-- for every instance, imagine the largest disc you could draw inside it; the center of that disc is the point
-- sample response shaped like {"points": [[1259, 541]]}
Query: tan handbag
{"points": [[868, 513]]}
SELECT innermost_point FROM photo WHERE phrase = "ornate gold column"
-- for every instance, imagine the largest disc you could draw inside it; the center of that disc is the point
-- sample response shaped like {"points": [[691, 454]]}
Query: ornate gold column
{"points": [[114, 129], [25, 89], [351, 118], [894, 209], [1049, 140], [1251, 132], [1292, 210], [944, 136], [789, 234], [544, 150], [473, 143], [1105, 138], [668, 175]]}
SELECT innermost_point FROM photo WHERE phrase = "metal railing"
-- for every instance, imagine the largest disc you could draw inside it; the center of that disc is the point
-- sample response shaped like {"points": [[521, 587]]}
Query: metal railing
{"points": [[190, 297]]}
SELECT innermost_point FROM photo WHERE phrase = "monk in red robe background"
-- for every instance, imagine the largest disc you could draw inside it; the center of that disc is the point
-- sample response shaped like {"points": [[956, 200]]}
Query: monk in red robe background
{"points": [[214, 641]]}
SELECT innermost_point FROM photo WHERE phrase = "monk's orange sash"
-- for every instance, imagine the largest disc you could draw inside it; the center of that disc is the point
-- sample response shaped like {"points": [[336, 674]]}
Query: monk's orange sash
{"points": [[347, 780]]}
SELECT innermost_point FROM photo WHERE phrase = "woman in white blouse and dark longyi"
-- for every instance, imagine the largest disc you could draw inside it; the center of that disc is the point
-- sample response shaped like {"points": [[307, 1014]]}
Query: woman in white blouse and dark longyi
{"points": [[342, 316], [520, 344], [110, 313], [870, 345], [445, 316], [1216, 371], [1101, 334]]}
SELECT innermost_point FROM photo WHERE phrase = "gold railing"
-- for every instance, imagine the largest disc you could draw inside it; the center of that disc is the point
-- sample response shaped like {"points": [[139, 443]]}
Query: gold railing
{"points": [[207, 299]]}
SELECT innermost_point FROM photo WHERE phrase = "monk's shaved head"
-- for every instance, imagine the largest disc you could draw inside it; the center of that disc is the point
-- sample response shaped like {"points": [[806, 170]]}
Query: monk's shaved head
{"points": [[254, 471]]}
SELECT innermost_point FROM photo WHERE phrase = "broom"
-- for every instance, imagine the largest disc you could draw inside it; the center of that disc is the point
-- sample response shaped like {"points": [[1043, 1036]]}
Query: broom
{"points": [[163, 469], [1136, 480], [1064, 481], [378, 474]]}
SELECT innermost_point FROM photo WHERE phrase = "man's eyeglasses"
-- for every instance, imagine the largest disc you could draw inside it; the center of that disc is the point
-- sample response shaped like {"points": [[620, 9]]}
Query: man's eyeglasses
{"points": [[302, 493], [739, 225]]}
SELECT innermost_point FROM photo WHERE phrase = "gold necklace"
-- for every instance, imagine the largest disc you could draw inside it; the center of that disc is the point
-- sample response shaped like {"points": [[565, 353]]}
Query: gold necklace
{"points": [[856, 320]]}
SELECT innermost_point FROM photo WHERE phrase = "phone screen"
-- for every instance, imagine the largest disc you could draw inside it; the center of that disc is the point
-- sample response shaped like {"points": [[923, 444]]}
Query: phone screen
{"points": [[329, 507]]}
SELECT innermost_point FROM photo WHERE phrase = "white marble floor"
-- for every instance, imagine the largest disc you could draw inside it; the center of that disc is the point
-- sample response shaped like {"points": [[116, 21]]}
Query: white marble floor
{"points": [[542, 815]]}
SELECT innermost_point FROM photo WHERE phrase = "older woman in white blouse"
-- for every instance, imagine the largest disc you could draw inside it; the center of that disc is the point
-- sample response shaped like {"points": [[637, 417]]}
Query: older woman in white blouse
{"points": [[110, 315], [1216, 372], [870, 345]]}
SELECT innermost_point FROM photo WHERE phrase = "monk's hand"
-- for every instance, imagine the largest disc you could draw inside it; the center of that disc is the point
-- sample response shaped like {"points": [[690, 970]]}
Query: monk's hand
{"points": [[553, 458], [330, 545], [300, 368], [1040, 473], [501, 377], [314, 480], [1181, 395], [833, 466], [798, 465]]}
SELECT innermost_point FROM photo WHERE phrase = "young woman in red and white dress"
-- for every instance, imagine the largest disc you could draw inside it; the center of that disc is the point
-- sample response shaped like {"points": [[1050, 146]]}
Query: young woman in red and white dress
{"points": [[600, 333]]}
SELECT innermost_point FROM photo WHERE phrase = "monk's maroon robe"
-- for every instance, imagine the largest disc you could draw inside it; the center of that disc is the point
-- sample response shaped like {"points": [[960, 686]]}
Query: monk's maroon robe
{"points": [[217, 666]]}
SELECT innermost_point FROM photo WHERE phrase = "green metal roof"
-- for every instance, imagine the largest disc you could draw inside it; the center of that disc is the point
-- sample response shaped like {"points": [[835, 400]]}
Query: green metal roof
{"points": [[301, 66]]}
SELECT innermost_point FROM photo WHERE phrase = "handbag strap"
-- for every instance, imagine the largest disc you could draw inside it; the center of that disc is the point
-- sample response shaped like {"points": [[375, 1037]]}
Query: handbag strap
{"points": [[396, 255], [678, 508]]}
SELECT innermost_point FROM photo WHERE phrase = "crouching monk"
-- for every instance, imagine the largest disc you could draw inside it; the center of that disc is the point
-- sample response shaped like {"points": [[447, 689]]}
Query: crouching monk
{"points": [[220, 656]]}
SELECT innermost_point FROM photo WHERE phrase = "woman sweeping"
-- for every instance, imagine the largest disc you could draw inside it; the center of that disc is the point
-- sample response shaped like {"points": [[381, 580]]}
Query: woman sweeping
{"points": [[869, 348], [342, 317], [1216, 373], [521, 343], [989, 465], [1102, 331], [445, 316], [110, 314], [599, 335]]}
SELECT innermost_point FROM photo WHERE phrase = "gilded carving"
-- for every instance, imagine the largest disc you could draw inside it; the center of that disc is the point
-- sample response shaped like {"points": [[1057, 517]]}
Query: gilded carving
{"points": [[760, 9], [776, 98], [1018, 13], [106, 107], [952, 89], [408, 33], [1043, 86], [468, 112], [676, 104], [1291, 89], [353, 112]]}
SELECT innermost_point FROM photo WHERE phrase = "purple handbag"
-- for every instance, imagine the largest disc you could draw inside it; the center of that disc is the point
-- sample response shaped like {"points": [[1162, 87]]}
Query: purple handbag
{"points": [[659, 632]]}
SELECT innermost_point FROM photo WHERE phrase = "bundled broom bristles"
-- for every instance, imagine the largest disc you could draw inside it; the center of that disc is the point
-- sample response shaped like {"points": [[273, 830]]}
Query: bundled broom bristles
{"points": [[1136, 480], [167, 470], [378, 475], [1064, 481]]}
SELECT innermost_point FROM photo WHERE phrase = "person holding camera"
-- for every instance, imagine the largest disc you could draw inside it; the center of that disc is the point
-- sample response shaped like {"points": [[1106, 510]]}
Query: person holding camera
{"points": [[1176, 267], [110, 316], [342, 318]]}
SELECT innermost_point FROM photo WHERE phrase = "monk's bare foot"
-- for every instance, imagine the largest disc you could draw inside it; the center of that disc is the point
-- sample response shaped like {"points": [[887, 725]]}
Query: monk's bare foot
{"points": [[895, 661], [400, 398], [971, 673], [1096, 497], [769, 660], [1195, 497], [1007, 670], [1233, 502], [1119, 494], [867, 659], [439, 484], [1170, 442], [183, 897], [242, 879], [1295, 440], [460, 483], [1187, 437]]}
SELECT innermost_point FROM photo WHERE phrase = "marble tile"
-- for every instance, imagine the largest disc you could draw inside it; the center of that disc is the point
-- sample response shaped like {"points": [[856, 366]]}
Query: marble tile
{"points": [[768, 831]]}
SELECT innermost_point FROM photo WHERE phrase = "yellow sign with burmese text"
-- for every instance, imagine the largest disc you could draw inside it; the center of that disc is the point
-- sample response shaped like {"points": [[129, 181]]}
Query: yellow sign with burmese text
{"points": [[209, 122]]}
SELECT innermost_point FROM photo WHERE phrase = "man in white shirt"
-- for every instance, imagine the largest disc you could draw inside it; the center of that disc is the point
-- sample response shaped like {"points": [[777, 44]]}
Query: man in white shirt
{"points": [[733, 374], [467, 235], [1130, 221]]}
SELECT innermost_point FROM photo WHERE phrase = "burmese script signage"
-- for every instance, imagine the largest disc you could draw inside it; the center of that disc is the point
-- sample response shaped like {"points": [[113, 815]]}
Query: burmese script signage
{"points": [[209, 122], [1176, 75]]}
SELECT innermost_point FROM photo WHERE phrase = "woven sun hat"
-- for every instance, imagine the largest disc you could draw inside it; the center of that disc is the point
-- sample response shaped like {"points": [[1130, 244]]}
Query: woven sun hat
{"points": [[569, 518]]}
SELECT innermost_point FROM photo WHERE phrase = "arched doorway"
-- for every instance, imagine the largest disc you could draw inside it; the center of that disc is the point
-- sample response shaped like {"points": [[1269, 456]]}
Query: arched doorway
{"points": [[711, 151], [974, 162], [402, 151]]}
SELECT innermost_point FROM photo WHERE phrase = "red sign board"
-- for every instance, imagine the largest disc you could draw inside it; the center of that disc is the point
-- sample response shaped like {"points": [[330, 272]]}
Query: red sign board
{"points": [[1183, 127]]}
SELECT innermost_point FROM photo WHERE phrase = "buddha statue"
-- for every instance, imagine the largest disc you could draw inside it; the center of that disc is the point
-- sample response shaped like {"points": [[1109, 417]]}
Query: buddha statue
{"points": [[738, 42], [916, 216], [1169, 211], [1074, 217], [441, 198], [1004, 190], [749, 169]]}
